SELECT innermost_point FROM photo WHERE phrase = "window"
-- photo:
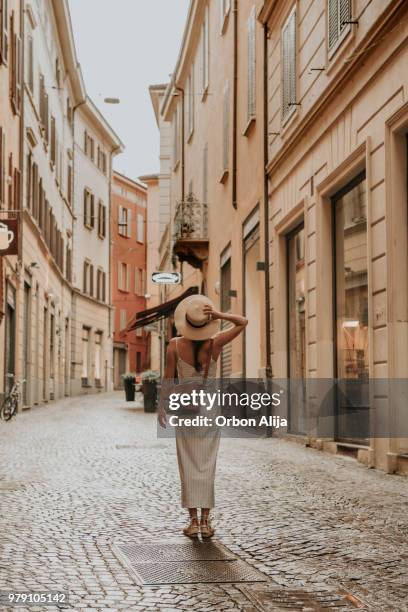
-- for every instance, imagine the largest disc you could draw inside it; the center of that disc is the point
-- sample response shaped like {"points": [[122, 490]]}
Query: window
{"points": [[16, 67], [53, 152], [138, 361], [351, 307], [30, 64], [70, 114], [57, 72], [140, 228], [296, 330], [205, 42], [101, 285], [226, 130], [102, 160], [176, 137], [101, 220], [338, 18], [44, 113], [122, 319], [123, 276], [68, 264], [98, 358], [140, 281], [2, 166], [69, 182], [85, 355], [190, 103], [289, 66], [251, 76], [226, 285], [124, 221], [88, 279], [3, 32], [89, 146], [89, 209]]}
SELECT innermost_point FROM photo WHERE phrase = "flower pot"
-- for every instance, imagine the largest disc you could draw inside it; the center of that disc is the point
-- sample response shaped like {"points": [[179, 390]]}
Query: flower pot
{"points": [[149, 390], [129, 385]]}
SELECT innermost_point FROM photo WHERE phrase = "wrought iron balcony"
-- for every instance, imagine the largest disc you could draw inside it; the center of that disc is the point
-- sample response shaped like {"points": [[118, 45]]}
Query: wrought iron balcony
{"points": [[190, 239]]}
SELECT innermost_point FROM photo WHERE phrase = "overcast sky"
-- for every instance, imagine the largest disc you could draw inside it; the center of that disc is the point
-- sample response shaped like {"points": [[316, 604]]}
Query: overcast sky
{"points": [[124, 46]]}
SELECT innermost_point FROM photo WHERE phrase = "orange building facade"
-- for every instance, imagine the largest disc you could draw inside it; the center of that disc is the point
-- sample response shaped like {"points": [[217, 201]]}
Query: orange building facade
{"points": [[128, 278]]}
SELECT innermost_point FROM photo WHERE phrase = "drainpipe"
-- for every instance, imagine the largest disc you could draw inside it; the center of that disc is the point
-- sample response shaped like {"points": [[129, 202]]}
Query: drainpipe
{"points": [[235, 108], [268, 365], [266, 207]]}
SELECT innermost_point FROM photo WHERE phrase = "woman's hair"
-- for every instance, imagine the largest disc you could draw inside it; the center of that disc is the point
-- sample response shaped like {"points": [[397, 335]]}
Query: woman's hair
{"points": [[197, 344]]}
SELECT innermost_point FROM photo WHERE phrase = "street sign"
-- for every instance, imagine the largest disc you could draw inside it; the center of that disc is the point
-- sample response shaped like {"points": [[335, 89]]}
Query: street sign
{"points": [[166, 278], [8, 237]]}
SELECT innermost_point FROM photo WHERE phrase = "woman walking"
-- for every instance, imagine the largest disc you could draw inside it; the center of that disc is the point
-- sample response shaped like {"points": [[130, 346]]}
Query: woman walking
{"points": [[193, 356]]}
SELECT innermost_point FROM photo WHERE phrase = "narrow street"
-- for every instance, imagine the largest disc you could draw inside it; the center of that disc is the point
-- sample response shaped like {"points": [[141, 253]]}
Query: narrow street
{"points": [[84, 474]]}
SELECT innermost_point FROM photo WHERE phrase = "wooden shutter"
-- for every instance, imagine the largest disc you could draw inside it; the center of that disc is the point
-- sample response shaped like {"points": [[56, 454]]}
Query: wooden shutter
{"points": [[30, 69], [17, 190], [92, 211], [333, 22], [104, 286], [251, 82], [91, 280], [344, 14], [4, 32], [226, 123], [2, 165], [53, 142], [129, 223], [86, 207], [289, 66]]}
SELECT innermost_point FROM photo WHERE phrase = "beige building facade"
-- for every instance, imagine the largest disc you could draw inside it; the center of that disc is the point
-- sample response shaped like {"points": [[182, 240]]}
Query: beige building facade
{"points": [[214, 110], [49, 305], [337, 169]]}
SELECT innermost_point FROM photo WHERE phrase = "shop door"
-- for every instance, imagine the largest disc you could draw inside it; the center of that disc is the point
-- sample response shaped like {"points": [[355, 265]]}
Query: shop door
{"points": [[351, 312]]}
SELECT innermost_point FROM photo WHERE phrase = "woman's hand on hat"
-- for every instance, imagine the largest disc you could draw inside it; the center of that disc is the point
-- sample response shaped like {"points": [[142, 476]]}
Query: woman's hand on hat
{"points": [[211, 313]]}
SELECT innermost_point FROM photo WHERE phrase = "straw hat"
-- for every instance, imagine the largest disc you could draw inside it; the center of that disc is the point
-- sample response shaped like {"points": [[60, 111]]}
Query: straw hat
{"points": [[190, 320]]}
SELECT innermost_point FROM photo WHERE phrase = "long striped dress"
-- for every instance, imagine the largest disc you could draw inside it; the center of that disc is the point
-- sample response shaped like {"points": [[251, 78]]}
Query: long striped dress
{"points": [[196, 450]]}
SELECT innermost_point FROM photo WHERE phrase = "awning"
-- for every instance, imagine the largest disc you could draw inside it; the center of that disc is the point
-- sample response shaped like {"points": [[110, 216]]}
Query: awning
{"points": [[145, 317]]}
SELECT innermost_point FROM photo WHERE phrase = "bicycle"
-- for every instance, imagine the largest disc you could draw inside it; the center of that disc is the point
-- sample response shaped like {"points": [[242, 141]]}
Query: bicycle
{"points": [[11, 401]]}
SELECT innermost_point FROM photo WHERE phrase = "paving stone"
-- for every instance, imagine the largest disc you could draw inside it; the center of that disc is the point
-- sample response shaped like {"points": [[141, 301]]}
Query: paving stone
{"points": [[85, 473]]}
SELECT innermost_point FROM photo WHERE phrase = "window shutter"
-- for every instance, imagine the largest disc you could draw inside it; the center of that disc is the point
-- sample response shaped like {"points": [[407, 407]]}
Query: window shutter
{"points": [[31, 63], [2, 165], [251, 84], [104, 286], [127, 277], [4, 32], [333, 21], [92, 212], [84, 281], [53, 141], [91, 280], [226, 112], [120, 275], [344, 14], [289, 66], [129, 223], [85, 207]]}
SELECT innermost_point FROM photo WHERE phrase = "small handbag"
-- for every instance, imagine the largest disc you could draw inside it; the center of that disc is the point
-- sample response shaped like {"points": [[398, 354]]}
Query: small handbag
{"points": [[189, 387]]}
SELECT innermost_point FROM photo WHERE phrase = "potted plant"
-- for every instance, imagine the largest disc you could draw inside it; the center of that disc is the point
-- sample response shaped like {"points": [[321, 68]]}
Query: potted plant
{"points": [[150, 380], [129, 381]]}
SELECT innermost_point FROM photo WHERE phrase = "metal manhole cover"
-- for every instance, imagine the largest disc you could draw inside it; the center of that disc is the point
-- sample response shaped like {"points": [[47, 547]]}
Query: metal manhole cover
{"points": [[163, 552], [195, 572], [185, 563]]}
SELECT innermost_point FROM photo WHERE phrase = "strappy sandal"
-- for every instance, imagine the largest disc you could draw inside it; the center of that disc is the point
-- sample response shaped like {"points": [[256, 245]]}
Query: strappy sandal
{"points": [[206, 530], [193, 529]]}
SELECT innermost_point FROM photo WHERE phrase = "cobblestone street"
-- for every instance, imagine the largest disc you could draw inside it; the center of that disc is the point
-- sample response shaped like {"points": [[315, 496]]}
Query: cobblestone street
{"points": [[81, 474]]}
